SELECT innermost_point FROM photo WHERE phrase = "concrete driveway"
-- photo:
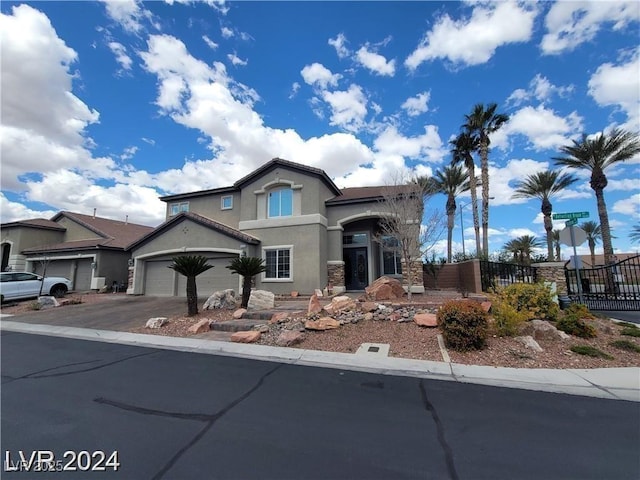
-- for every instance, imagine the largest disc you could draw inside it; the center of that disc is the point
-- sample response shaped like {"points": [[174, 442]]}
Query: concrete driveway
{"points": [[117, 312]]}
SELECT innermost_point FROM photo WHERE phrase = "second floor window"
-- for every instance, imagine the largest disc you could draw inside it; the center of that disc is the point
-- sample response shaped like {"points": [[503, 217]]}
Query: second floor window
{"points": [[281, 202], [176, 208]]}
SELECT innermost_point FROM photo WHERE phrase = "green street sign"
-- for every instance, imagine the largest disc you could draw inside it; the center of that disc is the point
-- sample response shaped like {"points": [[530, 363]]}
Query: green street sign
{"points": [[570, 216], [570, 223]]}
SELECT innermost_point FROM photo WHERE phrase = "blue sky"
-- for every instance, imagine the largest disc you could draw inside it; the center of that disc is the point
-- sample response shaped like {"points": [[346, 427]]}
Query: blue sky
{"points": [[109, 105]]}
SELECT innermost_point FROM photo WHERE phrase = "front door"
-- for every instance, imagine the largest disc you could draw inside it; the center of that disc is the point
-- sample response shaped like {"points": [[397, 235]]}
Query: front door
{"points": [[355, 268]]}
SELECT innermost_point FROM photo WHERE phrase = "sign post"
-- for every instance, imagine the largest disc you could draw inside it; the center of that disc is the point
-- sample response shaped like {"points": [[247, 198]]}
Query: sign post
{"points": [[572, 220]]}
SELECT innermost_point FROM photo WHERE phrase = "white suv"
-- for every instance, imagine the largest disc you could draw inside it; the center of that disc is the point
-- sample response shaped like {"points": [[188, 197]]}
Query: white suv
{"points": [[18, 285]]}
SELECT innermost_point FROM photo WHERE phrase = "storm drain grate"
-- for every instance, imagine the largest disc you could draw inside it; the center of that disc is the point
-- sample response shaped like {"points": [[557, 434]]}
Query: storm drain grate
{"points": [[378, 349]]}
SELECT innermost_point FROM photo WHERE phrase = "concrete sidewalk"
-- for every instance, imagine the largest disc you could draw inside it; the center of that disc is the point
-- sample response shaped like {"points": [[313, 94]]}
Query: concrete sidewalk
{"points": [[611, 383]]}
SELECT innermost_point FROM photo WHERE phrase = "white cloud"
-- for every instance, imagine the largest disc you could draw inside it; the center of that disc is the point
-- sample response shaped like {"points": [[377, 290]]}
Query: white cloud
{"points": [[236, 60], [210, 43], [120, 51], [295, 87], [128, 153], [474, 40], [625, 184], [520, 232], [14, 211], [619, 85], [628, 206], [541, 89], [339, 44], [375, 62], [317, 74], [426, 147], [226, 32], [543, 127], [128, 13], [348, 107], [414, 106], [569, 24]]}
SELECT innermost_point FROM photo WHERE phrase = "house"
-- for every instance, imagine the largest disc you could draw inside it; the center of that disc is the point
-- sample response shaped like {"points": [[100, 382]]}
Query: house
{"points": [[89, 250], [310, 233]]}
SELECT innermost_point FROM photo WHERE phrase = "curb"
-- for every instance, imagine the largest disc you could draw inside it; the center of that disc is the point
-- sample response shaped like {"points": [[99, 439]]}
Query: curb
{"points": [[608, 383]]}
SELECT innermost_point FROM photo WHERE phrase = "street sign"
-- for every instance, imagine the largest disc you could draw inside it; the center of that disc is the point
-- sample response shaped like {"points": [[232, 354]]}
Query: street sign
{"points": [[570, 215], [569, 223], [579, 236]]}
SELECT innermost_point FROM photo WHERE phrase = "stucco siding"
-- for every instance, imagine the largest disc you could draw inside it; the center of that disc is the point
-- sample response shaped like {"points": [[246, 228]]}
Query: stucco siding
{"points": [[210, 206], [75, 231]]}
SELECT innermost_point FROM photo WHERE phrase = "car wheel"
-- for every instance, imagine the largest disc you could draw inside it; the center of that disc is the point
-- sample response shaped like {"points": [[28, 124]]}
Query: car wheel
{"points": [[58, 291]]}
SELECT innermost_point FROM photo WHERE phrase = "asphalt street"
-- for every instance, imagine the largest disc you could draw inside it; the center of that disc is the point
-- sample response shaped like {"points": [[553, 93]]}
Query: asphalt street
{"points": [[182, 415]]}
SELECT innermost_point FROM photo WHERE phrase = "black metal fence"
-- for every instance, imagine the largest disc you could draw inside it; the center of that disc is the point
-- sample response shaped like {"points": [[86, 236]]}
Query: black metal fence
{"points": [[497, 274], [610, 287]]}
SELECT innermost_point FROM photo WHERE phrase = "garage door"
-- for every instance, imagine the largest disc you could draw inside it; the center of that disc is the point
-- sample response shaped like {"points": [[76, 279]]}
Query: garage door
{"points": [[159, 279], [217, 278], [55, 268], [64, 268], [83, 275]]}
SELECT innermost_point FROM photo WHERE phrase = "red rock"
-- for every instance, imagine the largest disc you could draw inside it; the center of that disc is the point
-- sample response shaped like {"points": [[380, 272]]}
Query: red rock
{"points": [[288, 338], [425, 319], [294, 294], [340, 304], [394, 317], [238, 313], [278, 317], [486, 306], [385, 288], [246, 337], [324, 323], [201, 327], [314, 305], [368, 306]]}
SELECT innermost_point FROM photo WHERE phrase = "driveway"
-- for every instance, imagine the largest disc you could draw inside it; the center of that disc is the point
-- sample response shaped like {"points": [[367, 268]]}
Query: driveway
{"points": [[117, 312]]}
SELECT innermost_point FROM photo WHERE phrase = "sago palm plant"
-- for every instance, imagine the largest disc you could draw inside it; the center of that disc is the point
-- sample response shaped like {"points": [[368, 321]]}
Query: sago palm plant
{"points": [[191, 266], [247, 267]]}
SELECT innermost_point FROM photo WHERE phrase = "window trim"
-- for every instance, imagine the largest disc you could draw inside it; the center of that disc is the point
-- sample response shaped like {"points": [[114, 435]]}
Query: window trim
{"points": [[277, 248], [279, 190], [397, 256], [222, 199], [180, 206]]}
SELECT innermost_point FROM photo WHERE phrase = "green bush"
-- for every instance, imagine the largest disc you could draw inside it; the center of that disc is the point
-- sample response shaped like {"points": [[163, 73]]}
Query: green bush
{"points": [[506, 318], [626, 324], [534, 298], [590, 351], [574, 325], [579, 310], [463, 324], [631, 331], [35, 305], [626, 345]]}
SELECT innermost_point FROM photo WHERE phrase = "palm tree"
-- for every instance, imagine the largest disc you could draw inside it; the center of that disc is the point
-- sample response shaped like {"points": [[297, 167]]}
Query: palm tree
{"points": [[556, 243], [462, 152], [594, 234], [634, 236], [481, 123], [522, 248], [191, 266], [247, 267], [452, 180], [596, 155], [544, 185]]}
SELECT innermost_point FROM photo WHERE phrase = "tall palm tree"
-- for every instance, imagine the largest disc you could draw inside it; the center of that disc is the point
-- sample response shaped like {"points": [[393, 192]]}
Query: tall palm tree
{"points": [[191, 266], [480, 123], [556, 243], [462, 152], [596, 155], [634, 236], [544, 185], [452, 180], [522, 248], [247, 267], [594, 234]]}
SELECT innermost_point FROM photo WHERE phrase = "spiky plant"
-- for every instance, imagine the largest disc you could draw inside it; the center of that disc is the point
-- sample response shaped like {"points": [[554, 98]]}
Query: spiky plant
{"points": [[247, 267], [191, 266]]}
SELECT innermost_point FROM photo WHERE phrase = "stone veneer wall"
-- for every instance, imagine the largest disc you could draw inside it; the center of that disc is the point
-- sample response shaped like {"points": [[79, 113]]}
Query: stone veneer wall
{"points": [[552, 272], [335, 275], [417, 275], [130, 280]]}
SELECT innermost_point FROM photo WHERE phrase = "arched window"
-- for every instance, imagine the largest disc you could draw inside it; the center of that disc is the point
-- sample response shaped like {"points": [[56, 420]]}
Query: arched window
{"points": [[280, 202]]}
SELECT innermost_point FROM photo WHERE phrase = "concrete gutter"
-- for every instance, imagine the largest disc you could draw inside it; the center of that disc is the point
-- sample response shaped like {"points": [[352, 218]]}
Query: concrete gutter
{"points": [[610, 383]]}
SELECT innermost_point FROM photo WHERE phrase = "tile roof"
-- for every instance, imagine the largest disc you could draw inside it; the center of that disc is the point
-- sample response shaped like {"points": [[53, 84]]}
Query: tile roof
{"points": [[36, 223], [205, 221], [91, 244], [362, 194]]}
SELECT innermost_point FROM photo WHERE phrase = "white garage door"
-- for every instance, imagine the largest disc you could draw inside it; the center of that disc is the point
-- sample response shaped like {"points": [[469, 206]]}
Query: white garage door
{"points": [[55, 268], [83, 275], [159, 279], [64, 268]]}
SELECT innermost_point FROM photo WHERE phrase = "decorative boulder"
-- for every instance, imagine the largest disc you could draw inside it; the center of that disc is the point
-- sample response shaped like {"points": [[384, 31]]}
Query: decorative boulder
{"points": [[249, 336], [288, 338], [529, 342], [261, 300], [369, 306], [385, 288], [278, 317], [221, 299], [340, 304], [48, 302], [543, 330], [201, 327], [314, 305], [156, 322], [425, 319], [324, 323], [239, 312]]}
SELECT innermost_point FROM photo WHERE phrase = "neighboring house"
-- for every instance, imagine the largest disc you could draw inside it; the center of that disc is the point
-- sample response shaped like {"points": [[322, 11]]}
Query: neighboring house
{"points": [[310, 233], [88, 250]]}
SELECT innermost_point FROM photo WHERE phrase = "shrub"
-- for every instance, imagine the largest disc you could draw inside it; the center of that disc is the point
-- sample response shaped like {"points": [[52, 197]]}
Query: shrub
{"points": [[631, 331], [507, 319], [534, 298], [626, 324], [35, 305], [463, 325], [574, 325], [626, 345], [590, 351], [579, 310]]}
